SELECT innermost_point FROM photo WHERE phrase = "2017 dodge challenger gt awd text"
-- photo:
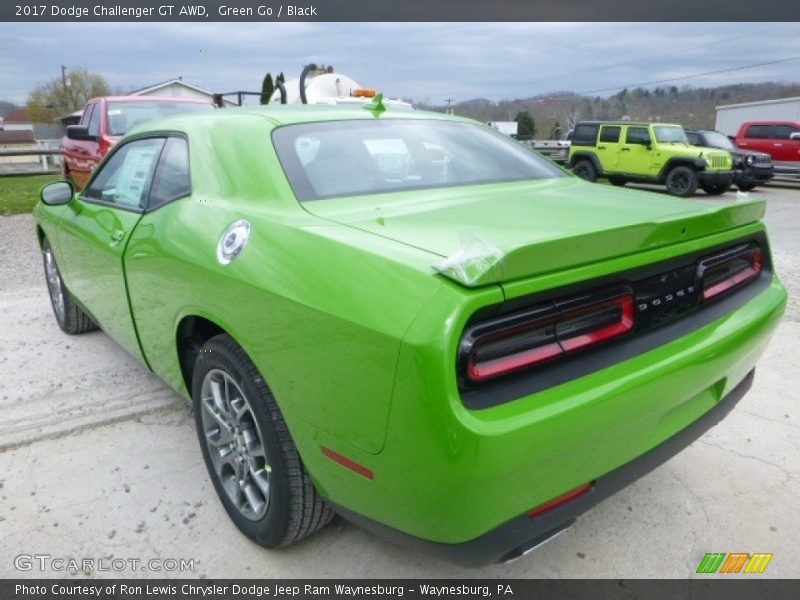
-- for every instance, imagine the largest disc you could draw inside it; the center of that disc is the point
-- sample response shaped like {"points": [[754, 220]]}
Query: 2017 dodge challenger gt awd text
{"points": [[408, 318]]}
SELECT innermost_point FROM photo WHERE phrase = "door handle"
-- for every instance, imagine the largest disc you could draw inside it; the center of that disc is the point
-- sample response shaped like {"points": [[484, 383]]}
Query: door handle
{"points": [[624, 149], [778, 145], [117, 236], [601, 147]]}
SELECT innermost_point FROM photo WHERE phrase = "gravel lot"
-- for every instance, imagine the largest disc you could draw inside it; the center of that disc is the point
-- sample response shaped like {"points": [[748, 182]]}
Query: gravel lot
{"points": [[98, 459]]}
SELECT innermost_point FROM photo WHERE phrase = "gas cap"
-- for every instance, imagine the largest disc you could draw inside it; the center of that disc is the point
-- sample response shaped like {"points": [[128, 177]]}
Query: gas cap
{"points": [[232, 241]]}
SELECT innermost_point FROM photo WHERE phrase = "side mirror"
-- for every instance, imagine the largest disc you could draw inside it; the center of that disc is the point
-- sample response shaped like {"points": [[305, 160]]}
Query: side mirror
{"points": [[80, 133], [57, 193]]}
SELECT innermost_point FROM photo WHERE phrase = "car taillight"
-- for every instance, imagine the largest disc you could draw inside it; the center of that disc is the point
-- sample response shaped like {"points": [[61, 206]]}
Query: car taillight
{"points": [[724, 272], [523, 340]]}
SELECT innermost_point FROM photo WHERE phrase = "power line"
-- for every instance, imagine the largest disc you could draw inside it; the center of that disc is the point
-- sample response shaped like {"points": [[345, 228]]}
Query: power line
{"points": [[693, 76]]}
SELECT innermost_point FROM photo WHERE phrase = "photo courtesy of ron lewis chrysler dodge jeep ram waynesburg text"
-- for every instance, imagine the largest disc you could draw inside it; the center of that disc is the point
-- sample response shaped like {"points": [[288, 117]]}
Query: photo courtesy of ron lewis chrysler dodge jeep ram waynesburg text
{"points": [[409, 318]]}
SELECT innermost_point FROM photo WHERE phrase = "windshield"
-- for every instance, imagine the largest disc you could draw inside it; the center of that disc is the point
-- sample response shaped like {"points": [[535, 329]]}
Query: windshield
{"points": [[349, 158], [716, 140], [123, 116], [670, 133]]}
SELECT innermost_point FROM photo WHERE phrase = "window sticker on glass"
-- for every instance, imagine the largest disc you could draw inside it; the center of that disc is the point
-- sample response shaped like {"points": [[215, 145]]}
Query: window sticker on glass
{"points": [[134, 175]]}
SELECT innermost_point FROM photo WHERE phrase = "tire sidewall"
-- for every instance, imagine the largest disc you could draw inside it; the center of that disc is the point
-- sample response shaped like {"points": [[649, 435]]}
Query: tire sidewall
{"points": [[270, 529], [60, 320], [585, 167]]}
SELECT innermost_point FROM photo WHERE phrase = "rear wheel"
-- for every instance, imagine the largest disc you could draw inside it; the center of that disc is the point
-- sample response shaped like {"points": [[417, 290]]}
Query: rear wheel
{"points": [[715, 190], [249, 453], [745, 187], [682, 181], [585, 170], [69, 316]]}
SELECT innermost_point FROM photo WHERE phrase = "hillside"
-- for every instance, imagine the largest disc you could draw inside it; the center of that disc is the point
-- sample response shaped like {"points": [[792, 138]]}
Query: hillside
{"points": [[689, 106]]}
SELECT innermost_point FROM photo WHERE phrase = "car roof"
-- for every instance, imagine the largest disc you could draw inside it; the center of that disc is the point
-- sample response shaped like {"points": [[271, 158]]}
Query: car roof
{"points": [[637, 123], [289, 114]]}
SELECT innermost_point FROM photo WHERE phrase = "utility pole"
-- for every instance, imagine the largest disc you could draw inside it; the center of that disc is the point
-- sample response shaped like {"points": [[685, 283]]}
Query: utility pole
{"points": [[449, 110], [64, 82]]}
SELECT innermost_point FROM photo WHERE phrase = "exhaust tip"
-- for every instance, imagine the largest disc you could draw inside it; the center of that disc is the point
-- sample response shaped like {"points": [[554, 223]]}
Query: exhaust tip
{"points": [[534, 544]]}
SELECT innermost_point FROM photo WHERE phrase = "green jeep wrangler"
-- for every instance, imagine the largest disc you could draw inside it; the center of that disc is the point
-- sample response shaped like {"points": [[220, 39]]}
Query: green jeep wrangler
{"points": [[648, 153]]}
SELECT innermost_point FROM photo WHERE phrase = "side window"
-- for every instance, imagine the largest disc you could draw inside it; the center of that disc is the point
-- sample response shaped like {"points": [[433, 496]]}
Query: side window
{"points": [[126, 176], [610, 134], [172, 179], [94, 121], [758, 132], [637, 135], [585, 134], [782, 132]]}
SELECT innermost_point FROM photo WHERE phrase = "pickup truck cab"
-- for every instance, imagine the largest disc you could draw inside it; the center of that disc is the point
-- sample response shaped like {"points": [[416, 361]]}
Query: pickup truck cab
{"points": [[779, 139], [105, 120]]}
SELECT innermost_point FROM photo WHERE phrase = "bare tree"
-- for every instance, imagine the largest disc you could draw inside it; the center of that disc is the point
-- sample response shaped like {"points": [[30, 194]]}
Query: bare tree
{"points": [[65, 94]]}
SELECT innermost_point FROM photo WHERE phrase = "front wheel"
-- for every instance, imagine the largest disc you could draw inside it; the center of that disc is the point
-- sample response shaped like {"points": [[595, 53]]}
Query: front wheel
{"points": [[585, 170], [745, 187], [249, 453], [618, 181], [69, 316], [682, 181]]}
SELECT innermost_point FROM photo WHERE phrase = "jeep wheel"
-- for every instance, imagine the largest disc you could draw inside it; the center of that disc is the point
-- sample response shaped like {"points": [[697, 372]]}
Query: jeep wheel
{"points": [[617, 180], [249, 453], [745, 187], [682, 181], [585, 170], [715, 190]]}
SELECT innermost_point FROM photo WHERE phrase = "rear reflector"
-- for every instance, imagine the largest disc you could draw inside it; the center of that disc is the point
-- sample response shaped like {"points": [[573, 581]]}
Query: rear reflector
{"points": [[346, 462], [724, 272], [559, 500], [543, 334]]}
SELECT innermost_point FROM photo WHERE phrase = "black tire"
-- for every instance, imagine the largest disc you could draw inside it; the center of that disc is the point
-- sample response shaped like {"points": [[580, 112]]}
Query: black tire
{"points": [[69, 316], [258, 475], [618, 181], [715, 190], [585, 170], [746, 187], [682, 181]]}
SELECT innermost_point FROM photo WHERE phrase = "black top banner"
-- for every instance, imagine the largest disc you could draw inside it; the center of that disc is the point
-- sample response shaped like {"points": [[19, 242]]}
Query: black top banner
{"points": [[400, 10]]}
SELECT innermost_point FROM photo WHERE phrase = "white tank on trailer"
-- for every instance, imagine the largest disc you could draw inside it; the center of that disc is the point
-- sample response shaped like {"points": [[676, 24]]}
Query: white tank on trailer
{"points": [[321, 85]]}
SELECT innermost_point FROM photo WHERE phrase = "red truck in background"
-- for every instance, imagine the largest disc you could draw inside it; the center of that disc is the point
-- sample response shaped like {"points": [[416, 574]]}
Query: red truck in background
{"points": [[108, 118], [779, 139]]}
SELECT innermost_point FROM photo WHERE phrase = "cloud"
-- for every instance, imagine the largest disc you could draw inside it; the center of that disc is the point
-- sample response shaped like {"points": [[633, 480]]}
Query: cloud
{"points": [[432, 61]]}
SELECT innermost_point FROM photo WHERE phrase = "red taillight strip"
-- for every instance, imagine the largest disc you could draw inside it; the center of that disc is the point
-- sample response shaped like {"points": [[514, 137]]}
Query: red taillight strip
{"points": [[559, 500], [346, 462], [478, 371], [750, 272]]}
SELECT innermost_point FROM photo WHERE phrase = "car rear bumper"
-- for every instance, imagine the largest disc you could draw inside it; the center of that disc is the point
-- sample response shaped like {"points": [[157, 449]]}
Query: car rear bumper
{"points": [[523, 534]]}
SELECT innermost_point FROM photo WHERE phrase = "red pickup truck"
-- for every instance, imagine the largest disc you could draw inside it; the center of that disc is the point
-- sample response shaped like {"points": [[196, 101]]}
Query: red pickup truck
{"points": [[779, 139], [108, 118]]}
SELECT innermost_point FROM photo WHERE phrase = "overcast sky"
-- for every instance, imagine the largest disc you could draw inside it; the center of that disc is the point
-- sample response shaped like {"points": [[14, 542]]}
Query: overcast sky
{"points": [[424, 61]]}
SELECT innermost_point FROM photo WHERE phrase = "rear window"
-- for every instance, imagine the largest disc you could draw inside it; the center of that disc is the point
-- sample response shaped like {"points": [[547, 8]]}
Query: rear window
{"points": [[585, 134], [123, 116], [350, 158]]}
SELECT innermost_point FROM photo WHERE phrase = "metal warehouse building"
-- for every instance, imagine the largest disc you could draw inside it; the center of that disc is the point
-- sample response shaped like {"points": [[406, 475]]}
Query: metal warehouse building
{"points": [[730, 116]]}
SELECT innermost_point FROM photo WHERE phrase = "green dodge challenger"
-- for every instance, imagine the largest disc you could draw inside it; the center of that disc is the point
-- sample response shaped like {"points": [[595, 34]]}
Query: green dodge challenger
{"points": [[408, 318]]}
